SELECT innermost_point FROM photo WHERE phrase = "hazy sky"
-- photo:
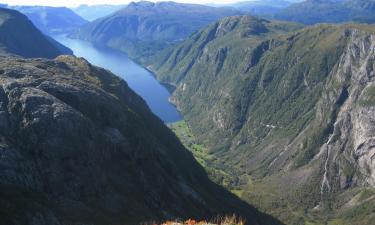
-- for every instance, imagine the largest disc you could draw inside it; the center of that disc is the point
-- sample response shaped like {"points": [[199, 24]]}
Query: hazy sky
{"points": [[92, 2]]}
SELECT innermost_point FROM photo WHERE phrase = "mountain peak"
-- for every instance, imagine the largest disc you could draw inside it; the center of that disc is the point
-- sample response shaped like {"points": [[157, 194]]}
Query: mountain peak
{"points": [[141, 4]]}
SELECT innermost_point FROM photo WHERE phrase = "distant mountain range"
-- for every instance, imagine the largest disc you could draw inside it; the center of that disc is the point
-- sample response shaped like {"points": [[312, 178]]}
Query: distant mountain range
{"points": [[52, 20], [142, 28], [18, 36], [329, 11], [310, 11], [261, 7], [93, 12]]}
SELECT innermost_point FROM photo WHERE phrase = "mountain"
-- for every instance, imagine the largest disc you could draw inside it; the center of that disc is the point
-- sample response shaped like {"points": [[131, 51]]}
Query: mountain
{"points": [[286, 114], [142, 28], [329, 11], [262, 7], [18, 36], [93, 12], [62, 48], [52, 20], [78, 146]]}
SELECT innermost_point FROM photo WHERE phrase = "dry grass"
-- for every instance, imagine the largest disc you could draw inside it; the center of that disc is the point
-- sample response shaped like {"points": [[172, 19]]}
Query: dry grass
{"points": [[227, 220]]}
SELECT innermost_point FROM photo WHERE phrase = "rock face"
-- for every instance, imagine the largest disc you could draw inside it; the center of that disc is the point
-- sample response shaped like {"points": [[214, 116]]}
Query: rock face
{"points": [[290, 115], [52, 20], [18, 36], [144, 27], [77, 146]]}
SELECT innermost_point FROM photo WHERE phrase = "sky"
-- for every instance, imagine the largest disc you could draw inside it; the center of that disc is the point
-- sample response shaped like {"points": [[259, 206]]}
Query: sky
{"points": [[93, 2]]}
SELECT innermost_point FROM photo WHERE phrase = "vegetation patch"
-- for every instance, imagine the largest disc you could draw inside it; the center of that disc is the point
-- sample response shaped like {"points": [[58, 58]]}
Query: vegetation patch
{"points": [[200, 153], [225, 220], [368, 98]]}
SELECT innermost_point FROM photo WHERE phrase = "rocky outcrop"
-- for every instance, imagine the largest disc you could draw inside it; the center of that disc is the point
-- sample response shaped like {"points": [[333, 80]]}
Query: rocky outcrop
{"points": [[353, 128], [78, 146]]}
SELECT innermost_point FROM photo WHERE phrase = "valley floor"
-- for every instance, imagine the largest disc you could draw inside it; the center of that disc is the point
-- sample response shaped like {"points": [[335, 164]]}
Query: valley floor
{"points": [[359, 211]]}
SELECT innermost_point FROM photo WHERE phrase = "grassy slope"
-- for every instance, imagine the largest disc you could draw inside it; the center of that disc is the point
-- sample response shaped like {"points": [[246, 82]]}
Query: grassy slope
{"points": [[201, 154], [267, 199], [246, 87]]}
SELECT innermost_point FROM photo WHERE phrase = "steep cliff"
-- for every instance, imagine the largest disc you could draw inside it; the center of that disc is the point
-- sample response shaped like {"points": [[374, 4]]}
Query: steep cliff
{"points": [[290, 115]]}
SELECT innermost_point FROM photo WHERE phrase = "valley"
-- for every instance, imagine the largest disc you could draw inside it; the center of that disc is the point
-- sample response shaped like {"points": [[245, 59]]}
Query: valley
{"points": [[249, 112], [279, 121], [79, 146]]}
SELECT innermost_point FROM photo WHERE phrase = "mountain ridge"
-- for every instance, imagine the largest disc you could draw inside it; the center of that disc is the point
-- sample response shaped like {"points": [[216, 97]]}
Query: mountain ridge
{"points": [[26, 40], [262, 8], [332, 11]]}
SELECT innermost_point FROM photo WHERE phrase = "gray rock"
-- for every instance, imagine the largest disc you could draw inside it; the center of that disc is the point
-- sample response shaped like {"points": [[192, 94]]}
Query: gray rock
{"points": [[77, 146]]}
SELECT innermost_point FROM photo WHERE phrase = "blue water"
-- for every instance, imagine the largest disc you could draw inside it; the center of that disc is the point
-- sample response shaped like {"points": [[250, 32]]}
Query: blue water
{"points": [[138, 78]]}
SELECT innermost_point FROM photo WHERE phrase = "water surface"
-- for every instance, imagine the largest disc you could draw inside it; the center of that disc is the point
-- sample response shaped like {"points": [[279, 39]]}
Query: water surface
{"points": [[138, 78]]}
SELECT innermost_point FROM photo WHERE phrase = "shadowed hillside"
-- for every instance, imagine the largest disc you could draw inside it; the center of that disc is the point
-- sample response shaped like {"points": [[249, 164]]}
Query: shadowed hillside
{"points": [[18, 36]]}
